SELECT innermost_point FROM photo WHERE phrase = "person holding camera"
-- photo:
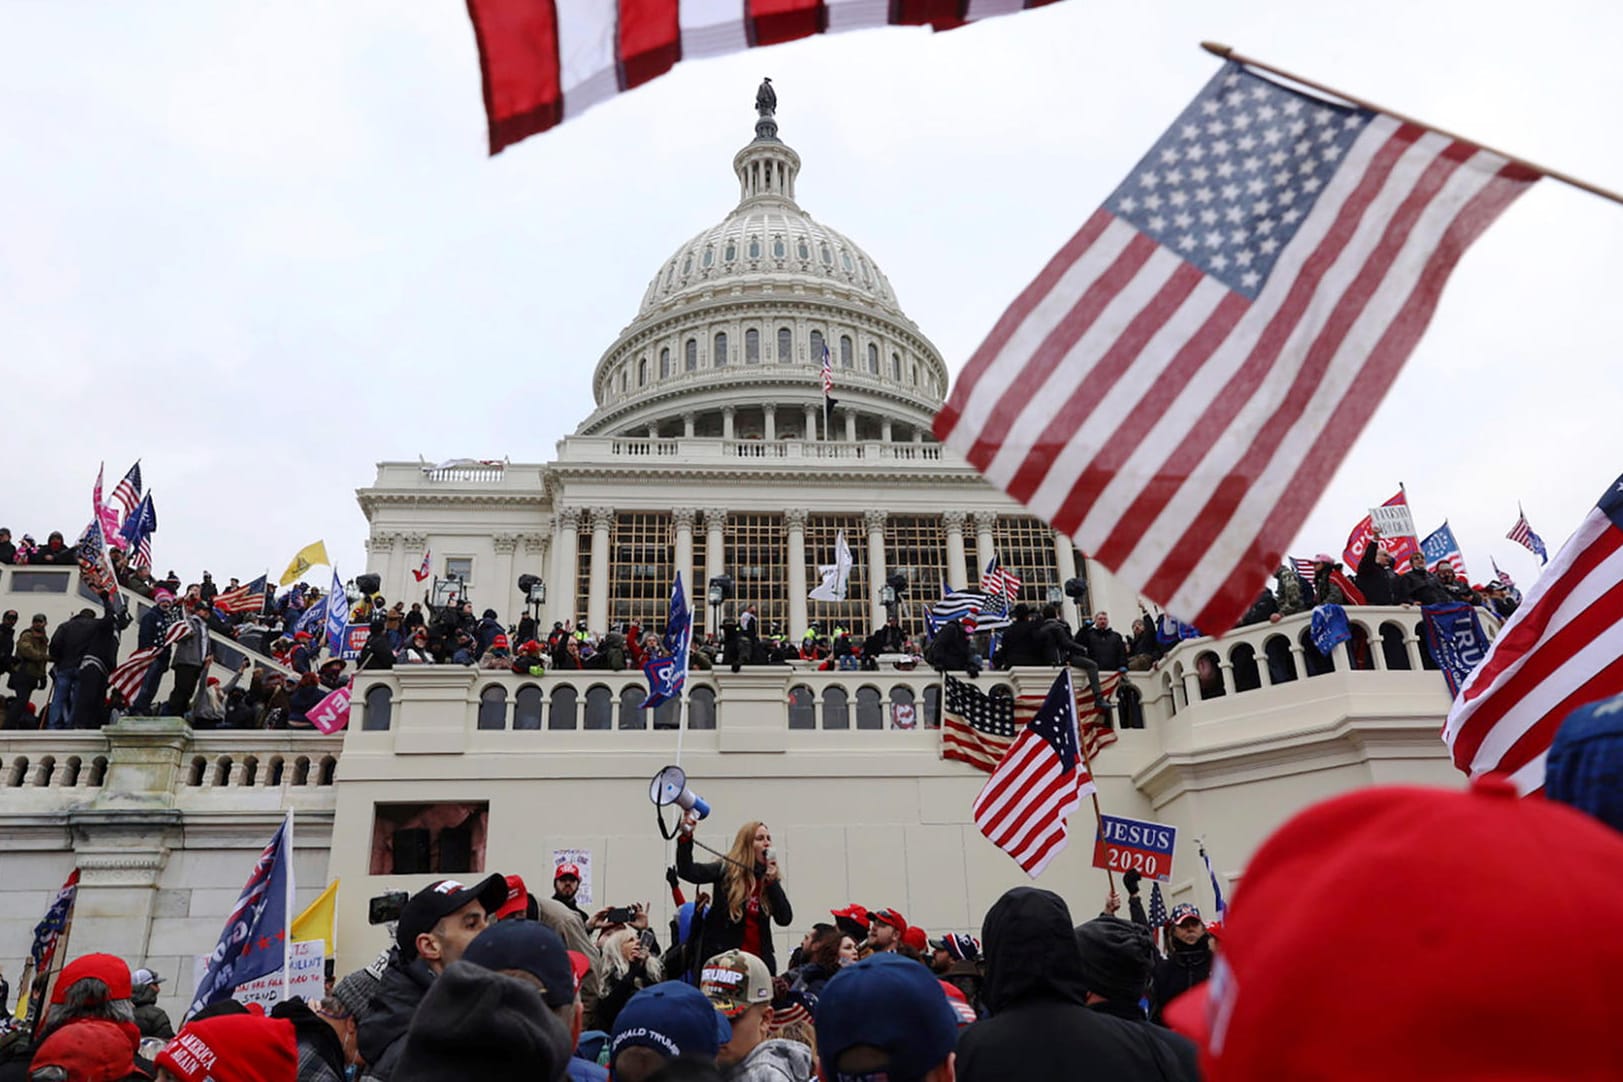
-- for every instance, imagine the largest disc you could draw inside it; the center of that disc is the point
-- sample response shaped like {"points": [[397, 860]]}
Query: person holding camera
{"points": [[628, 968], [749, 892]]}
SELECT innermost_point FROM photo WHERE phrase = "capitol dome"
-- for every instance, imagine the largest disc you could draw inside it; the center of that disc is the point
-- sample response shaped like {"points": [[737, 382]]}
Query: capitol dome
{"points": [[730, 335]]}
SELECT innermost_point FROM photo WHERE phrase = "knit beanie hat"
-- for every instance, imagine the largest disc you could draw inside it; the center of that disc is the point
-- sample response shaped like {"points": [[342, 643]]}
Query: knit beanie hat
{"points": [[1117, 957], [1585, 764], [476, 1023], [355, 992], [233, 1048]]}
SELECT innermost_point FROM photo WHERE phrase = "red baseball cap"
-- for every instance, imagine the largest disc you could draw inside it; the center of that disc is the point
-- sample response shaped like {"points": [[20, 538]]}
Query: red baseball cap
{"points": [[107, 968], [888, 916], [915, 937], [233, 1048], [90, 1050], [518, 900], [858, 913], [1400, 932], [563, 870]]}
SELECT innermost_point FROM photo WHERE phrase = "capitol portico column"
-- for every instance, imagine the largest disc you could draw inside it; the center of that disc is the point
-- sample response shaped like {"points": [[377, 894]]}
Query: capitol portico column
{"points": [[727, 422], [1065, 564], [715, 554], [688, 423], [794, 521], [811, 423], [771, 426], [682, 518], [851, 429], [957, 572], [597, 590], [884, 430], [875, 518], [985, 543], [505, 545], [562, 591], [381, 561]]}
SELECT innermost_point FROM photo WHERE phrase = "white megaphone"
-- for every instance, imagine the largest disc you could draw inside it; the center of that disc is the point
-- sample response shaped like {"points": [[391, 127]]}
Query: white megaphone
{"points": [[670, 786]]}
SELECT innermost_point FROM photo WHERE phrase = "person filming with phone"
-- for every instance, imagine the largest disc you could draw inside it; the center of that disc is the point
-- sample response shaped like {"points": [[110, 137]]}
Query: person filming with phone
{"points": [[749, 892]]}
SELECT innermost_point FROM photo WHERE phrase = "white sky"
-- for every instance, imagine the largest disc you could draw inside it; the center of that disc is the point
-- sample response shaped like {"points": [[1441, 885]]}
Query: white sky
{"points": [[261, 247]]}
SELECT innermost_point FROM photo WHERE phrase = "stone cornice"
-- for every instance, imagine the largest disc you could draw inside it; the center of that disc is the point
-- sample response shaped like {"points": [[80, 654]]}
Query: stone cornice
{"points": [[879, 476]]}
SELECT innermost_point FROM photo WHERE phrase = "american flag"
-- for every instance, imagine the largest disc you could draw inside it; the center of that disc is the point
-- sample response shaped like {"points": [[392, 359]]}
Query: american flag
{"points": [[1303, 568], [93, 562], [126, 679], [1157, 914], [138, 529], [990, 613], [978, 729], [246, 598], [49, 930], [1523, 535], [1023, 807], [1183, 378], [1562, 648], [546, 61], [828, 372], [1000, 582], [127, 494]]}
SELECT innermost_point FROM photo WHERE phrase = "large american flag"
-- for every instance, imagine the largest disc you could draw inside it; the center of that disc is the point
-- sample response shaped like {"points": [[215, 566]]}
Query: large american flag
{"points": [[1562, 648], [828, 372], [546, 61], [1182, 379], [1523, 535], [1157, 915], [249, 597], [127, 494], [999, 581], [1023, 807], [978, 729], [126, 679]]}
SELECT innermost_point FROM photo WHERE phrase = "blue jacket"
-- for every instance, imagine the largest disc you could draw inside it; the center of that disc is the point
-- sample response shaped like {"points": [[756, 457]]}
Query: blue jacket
{"points": [[153, 625]]}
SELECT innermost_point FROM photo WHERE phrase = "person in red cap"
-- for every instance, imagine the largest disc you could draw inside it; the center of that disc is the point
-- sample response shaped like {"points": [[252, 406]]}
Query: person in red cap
{"points": [[1400, 988], [231, 1048], [497, 656], [565, 885], [528, 661], [1188, 962], [853, 921], [96, 988], [89, 1051], [915, 941], [885, 930]]}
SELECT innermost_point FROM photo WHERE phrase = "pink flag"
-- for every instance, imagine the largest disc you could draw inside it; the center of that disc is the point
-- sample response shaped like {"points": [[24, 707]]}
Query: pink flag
{"points": [[332, 713], [107, 516]]}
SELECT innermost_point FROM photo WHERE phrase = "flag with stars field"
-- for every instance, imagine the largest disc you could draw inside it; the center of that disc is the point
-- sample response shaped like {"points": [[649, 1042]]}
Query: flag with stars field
{"points": [[255, 941], [979, 729], [1177, 385]]}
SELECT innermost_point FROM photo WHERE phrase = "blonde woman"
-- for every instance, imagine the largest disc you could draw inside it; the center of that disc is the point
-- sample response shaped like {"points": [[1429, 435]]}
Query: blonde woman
{"points": [[627, 969], [749, 893]]}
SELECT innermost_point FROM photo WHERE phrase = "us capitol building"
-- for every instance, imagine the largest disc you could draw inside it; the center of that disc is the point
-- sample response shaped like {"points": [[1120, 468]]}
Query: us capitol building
{"points": [[707, 454]]}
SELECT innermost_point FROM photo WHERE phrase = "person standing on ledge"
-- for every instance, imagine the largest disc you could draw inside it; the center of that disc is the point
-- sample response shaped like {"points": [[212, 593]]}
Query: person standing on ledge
{"points": [[749, 893]]}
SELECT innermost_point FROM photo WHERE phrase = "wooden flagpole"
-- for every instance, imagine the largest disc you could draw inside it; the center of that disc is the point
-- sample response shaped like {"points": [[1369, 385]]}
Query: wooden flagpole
{"points": [[1228, 53]]}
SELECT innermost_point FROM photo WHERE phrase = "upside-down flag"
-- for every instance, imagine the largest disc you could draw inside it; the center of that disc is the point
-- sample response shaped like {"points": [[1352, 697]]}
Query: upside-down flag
{"points": [[1561, 648], [256, 939], [1183, 378], [49, 931], [1023, 807], [546, 61], [428, 566]]}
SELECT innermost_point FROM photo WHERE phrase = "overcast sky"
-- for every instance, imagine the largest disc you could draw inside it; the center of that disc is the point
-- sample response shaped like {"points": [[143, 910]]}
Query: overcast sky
{"points": [[261, 246]]}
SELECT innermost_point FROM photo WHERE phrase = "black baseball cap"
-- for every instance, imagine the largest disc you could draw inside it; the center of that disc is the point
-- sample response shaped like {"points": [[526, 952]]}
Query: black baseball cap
{"points": [[439, 900], [532, 947]]}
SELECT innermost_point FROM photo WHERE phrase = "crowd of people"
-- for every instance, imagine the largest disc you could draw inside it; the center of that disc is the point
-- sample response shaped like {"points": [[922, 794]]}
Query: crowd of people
{"points": [[1322, 969]]}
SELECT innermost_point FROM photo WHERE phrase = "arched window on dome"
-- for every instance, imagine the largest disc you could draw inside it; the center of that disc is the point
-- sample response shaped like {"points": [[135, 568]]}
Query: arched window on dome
{"points": [[915, 374], [845, 260], [873, 358], [687, 265], [816, 347], [709, 257], [665, 363], [846, 358], [896, 367], [720, 355], [642, 372], [803, 250], [624, 376], [690, 360], [752, 346], [786, 345], [778, 248], [730, 253], [755, 247], [827, 254]]}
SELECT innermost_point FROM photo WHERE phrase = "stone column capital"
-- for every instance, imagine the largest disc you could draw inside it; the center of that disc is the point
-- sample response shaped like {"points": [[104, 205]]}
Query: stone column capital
{"points": [[414, 540], [535, 544], [875, 517], [985, 521], [505, 543], [794, 518], [569, 516], [954, 521], [715, 517], [602, 518], [684, 517]]}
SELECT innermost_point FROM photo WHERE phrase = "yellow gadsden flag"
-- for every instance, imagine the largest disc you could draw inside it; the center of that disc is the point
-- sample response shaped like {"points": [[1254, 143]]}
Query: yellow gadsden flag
{"points": [[319, 920], [312, 555]]}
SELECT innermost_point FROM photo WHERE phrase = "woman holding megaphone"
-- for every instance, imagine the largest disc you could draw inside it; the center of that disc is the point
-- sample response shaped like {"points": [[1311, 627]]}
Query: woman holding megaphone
{"points": [[749, 893]]}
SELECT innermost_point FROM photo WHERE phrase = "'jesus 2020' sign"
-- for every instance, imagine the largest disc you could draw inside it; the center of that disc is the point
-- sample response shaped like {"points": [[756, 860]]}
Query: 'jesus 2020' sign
{"points": [[1131, 845]]}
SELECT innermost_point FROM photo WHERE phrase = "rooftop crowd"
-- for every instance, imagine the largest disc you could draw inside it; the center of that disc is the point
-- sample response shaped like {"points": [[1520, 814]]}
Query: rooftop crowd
{"points": [[1332, 963]]}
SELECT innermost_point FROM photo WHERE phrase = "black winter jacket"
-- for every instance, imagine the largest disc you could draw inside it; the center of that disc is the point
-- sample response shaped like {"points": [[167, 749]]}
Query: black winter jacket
{"points": [[381, 1038], [1180, 971], [1040, 1026], [1020, 646], [720, 932], [1380, 585]]}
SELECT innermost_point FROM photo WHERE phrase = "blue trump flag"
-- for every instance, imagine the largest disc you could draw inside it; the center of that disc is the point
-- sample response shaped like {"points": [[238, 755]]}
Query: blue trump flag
{"points": [[1456, 639], [1329, 628], [255, 939], [667, 674], [337, 616]]}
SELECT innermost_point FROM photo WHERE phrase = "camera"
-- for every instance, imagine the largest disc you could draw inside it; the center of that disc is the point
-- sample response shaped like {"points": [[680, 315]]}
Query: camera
{"points": [[620, 914], [386, 907]]}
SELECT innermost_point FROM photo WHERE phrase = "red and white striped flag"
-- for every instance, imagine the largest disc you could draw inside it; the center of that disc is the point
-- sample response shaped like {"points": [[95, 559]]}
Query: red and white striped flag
{"points": [[428, 566], [127, 495], [1180, 382], [1023, 808], [1562, 648], [127, 678], [546, 61]]}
